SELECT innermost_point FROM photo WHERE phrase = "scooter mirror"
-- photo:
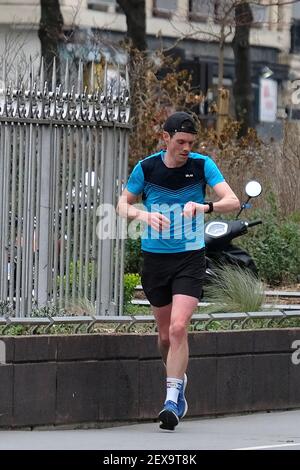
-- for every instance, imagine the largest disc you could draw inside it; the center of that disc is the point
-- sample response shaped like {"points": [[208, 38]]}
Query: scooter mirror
{"points": [[253, 189]]}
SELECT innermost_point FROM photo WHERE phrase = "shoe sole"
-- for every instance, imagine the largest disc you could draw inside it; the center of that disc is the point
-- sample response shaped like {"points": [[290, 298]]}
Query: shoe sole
{"points": [[168, 420], [185, 402]]}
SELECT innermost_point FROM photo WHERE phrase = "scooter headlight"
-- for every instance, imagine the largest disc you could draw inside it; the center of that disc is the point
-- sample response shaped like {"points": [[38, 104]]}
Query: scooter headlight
{"points": [[216, 229]]}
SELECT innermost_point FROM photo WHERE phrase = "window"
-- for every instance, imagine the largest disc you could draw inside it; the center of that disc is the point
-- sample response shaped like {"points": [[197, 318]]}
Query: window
{"points": [[102, 5], [259, 13], [295, 37], [224, 12], [219, 10], [164, 8], [200, 10]]}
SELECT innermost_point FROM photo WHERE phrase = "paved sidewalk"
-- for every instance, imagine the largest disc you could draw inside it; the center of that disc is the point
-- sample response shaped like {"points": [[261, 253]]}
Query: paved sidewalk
{"points": [[274, 430]]}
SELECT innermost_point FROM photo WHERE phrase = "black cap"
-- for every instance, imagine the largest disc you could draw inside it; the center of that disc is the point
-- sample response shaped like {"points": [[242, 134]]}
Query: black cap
{"points": [[180, 122]]}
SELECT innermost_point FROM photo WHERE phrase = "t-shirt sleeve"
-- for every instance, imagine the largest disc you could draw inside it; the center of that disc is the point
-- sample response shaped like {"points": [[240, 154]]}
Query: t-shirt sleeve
{"points": [[135, 182], [212, 173]]}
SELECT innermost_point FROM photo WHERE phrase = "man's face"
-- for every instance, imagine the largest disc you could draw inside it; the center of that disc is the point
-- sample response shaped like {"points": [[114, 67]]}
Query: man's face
{"points": [[179, 145]]}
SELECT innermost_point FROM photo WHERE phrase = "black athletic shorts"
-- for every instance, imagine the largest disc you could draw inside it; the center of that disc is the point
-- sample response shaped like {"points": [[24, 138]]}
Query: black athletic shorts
{"points": [[166, 274]]}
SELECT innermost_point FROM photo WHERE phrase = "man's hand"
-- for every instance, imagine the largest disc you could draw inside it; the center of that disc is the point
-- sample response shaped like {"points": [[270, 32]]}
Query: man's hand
{"points": [[155, 219], [191, 208]]}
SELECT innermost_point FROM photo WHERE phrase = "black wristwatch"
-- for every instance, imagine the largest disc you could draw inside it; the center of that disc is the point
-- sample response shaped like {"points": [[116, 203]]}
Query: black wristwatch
{"points": [[211, 206]]}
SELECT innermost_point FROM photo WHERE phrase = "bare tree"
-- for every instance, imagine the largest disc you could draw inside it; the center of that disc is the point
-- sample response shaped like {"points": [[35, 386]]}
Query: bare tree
{"points": [[242, 89], [50, 34], [14, 55], [230, 21], [218, 28]]}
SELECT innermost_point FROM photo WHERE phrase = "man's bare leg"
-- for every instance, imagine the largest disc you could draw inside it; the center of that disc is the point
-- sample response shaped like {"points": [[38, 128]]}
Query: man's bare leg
{"points": [[163, 317], [175, 405], [183, 307]]}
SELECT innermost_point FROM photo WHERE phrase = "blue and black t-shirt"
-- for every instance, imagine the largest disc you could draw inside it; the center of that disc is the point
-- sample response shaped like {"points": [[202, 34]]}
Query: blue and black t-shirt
{"points": [[167, 190]]}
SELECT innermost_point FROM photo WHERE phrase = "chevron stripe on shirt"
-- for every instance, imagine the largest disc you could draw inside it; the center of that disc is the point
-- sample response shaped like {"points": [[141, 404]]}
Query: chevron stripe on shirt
{"points": [[161, 185]]}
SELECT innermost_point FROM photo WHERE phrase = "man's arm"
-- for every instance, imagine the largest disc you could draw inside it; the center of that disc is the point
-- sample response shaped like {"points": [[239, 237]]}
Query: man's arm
{"points": [[227, 202], [125, 208]]}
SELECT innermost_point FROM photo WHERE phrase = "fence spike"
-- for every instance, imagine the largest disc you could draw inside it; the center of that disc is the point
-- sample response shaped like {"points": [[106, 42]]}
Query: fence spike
{"points": [[127, 80], [92, 78], [4, 74], [105, 80], [118, 80], [42, 74], [67, 77], [30, 74], [80, 78], [54, 75], [35, 97]]}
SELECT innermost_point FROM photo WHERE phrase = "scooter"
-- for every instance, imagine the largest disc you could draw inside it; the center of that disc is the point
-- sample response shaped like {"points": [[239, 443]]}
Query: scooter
{"points": [[219, 234]]}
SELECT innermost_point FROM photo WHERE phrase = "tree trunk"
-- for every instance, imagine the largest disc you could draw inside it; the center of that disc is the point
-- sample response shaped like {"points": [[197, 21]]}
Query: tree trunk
{"points": [[50, 34], [221, 57], [242, 89], [135, 11]]}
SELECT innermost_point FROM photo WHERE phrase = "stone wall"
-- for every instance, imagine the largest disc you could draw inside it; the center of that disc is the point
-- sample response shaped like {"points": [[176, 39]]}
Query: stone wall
{"points": [[76, 379]]}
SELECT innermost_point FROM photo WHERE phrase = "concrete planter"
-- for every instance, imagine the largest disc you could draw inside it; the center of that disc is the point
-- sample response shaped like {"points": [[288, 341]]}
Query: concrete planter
{"points": [[65, 380]]}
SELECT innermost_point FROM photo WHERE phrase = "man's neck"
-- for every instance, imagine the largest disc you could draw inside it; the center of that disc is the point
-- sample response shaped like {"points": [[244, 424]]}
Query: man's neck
{"points": [[171, 162]]}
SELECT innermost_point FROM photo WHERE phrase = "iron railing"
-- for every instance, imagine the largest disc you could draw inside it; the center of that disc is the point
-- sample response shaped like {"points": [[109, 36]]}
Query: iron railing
{"points": [[131, 323], [63, 156]]}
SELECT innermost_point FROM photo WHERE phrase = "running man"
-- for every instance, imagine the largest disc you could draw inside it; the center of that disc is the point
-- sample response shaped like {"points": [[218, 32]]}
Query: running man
{"points": [[172, 184]]}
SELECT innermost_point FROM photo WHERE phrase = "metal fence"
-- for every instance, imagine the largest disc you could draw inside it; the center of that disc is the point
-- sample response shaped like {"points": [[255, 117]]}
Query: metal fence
{"points": [[146, 323], [63, 154]]}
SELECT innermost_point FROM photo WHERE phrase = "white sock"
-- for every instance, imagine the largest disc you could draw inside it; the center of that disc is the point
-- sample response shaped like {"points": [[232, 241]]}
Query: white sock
{"points": [[173, 387]]}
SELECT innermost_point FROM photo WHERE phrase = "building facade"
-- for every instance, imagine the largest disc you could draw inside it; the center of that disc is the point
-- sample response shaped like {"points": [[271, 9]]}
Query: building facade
{"points": [[190, 28]]}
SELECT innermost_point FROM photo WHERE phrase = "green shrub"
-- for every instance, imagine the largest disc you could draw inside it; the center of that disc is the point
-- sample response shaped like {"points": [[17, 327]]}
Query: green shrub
{"points": [[130, 283], [275, 245], [74, 270], [133, 256]]}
